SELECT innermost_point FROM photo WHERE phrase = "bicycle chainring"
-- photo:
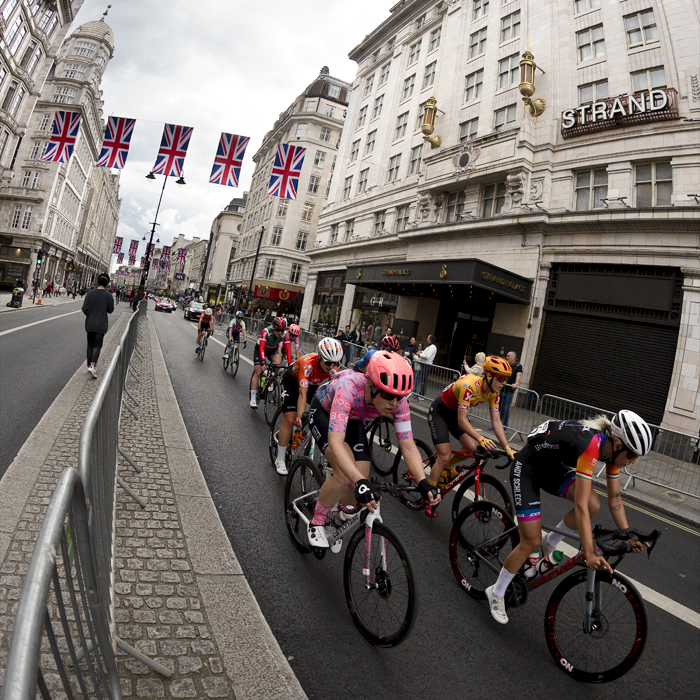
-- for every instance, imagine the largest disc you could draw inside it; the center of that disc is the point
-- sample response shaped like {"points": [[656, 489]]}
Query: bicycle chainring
{"points": [[516, 595]]}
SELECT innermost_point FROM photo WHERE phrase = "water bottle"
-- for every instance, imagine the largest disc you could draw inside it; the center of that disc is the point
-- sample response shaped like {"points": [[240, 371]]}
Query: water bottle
{"points": [[263, 379], [550, 562], [455, 470], [533, 560]]}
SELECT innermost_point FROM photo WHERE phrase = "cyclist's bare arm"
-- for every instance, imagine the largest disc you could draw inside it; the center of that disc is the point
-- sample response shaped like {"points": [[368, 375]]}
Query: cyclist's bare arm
{"points": [[415, 465], [617, 510], [582, 496], [301, 404]]}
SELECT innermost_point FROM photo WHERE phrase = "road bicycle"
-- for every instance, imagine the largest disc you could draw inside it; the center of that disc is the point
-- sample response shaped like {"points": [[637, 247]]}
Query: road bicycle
{"points": [[465, 470], [232, 358], [301, 442], [269, 392], [383, 444], [595, 623], [378, 578], [203, 345]]}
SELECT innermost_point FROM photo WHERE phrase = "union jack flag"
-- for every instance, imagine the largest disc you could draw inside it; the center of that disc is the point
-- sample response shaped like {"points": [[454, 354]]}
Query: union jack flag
{"points": [[120, 258], [181, 254], [173, 149], [115, 145], [64, 134], [117, 245], [286, 170], [165, 253], [143, 261], [133, 246], [228, 160], [166, 265], [132, 259]]}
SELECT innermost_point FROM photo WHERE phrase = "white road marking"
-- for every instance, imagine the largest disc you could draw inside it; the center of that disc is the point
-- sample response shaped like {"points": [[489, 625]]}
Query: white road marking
{"points": [[36, 323]]}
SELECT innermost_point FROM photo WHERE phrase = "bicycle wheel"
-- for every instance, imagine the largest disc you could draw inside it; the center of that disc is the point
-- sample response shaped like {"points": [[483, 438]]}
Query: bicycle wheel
{"points": [[303, 478], [383, 612], [618, 627], [227, 361], [476, 567], [490, 489], [400, 476], [382, 445], [202, 349], [235, 360], [272, 399], [274, 431]]}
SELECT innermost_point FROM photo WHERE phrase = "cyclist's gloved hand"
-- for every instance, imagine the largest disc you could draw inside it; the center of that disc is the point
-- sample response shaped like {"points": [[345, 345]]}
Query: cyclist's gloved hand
{"points": [[511, 453], [365, 494], [486, 443], [428, 490]]}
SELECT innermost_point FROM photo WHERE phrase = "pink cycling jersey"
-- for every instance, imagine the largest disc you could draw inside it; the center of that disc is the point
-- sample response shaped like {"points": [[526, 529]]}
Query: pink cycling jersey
{"points": [[344, 399]]}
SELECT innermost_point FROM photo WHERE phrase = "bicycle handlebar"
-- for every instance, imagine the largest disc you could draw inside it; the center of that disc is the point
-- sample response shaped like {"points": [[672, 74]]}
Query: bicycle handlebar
{"points": [[485, 455], [602, 536]]}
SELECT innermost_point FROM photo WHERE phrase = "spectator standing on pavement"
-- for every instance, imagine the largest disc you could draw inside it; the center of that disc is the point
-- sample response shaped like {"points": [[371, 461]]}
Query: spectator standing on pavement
{"points": [[410, 350], [426, 357], [477, 369], [510, 387], [97, 305]]}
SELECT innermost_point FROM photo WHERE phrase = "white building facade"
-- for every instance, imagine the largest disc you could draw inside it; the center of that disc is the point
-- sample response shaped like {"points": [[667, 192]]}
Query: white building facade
{"points": [[571, 238]]}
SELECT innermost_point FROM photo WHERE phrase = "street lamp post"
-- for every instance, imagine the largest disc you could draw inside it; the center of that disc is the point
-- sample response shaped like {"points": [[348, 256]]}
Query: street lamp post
{"points": [[255, 264]]}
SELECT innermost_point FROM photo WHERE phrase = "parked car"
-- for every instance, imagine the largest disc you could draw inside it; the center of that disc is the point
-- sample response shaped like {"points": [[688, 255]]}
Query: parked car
{"points": [[194, 310], [164, 305]]}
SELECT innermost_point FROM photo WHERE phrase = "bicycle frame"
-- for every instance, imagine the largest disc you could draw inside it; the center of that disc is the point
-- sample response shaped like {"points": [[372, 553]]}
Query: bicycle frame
{"points": [[477, 469]]}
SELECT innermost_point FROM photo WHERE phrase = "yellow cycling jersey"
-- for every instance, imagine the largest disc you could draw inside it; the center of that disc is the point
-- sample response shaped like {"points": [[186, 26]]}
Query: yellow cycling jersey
{"points": [[469, 390]]}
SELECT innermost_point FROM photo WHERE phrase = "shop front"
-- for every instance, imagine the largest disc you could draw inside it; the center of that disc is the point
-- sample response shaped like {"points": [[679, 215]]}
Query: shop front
{"points": [[15, 263], [274, 296], [328, 302]]}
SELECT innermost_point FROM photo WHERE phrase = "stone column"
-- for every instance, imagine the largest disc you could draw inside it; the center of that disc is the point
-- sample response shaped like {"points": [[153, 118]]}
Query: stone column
{"points": [[308, 305], [683, 403], [346, 310], [533, 336]]}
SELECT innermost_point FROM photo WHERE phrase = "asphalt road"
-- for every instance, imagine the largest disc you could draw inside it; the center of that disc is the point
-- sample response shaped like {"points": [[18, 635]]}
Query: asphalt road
{"points": [[36, 362]]}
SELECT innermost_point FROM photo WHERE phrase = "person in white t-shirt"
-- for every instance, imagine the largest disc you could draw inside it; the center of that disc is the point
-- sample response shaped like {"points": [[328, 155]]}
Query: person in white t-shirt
{"points": [[426, 357]]}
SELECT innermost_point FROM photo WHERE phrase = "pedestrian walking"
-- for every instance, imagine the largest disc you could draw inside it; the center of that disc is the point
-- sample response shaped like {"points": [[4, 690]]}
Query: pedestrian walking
{"points": [[97, 305], [510, 387], [426, 358]]}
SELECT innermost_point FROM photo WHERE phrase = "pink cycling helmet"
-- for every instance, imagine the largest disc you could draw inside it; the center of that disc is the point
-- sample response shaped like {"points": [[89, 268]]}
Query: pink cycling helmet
{"points": [[294, 329], [391, 373]]}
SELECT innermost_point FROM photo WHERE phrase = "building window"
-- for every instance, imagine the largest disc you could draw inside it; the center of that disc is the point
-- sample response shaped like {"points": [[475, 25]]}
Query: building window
{"points": [[4, 136], [12, 31], [64, 95], [473, 85], [419, 118], [311, 106], [591, 43], [35, 150], [379, 221], [477, 43], [302, 237], [503, 116], [641, 28], [26, 219], [653, 185], [34, 61], [362, 116], [355, 150], [333, 91], [394, 164], [269, 269], [648, 79], [328, 187], [276, 235], [592, 92], [402, 218], [330, 110], [9, 95], [347, 186], [378, 104], [369, 146], [481, 8], [509, 71], [28, 52], [408, 85], [455, 205], [362, 181], [319, 159], [84, 48], [414, 53], [16, 101], [301, 130], [435, 39], [583, 5], [282, 207], [429, 76], [349, 230], [401, 124], [7, 10], [314, 182], [16, 216], [591, 189], [420, 22], [510, 26], [295, 274], [325, 134], [416, 154], [44, 122], [75, 71], [369, 84], [307, 212], [334, 234], [27, 177], [467, 130], [384, 74], [56, 191], [494, 199]]}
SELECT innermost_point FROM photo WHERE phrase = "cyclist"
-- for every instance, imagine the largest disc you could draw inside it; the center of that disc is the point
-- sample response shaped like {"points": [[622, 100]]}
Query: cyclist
{"points": [[389, 343], [205, 325], [291, 337], [235, 327], [268, 349], [560, 457], [299, 384], [449, 413], [338, 415]]}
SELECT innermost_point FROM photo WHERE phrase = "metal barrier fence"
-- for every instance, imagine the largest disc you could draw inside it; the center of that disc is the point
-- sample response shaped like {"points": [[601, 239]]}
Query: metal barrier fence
{"points": [[62, 567], [430, 380], [522, 414]]}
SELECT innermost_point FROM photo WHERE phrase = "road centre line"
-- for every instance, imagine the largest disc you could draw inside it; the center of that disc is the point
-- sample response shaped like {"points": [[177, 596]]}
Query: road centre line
{"points": [[36, 323]]}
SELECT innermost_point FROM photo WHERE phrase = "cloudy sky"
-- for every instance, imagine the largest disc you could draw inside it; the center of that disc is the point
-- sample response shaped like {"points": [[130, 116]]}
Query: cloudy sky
{"points": [[215, 65]]}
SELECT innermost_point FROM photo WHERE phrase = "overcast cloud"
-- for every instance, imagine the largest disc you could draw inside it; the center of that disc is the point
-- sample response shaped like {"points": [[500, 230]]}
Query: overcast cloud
{"points": [[214, 65]]}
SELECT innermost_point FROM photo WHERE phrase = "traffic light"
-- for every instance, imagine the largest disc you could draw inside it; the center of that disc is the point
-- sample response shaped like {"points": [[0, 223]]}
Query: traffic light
{"points": [[39, 256]]}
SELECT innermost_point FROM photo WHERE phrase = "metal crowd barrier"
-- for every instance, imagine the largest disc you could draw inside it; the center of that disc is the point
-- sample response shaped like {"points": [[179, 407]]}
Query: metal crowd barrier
{"points": [[557, 408], [430, 380], [522, 416]]}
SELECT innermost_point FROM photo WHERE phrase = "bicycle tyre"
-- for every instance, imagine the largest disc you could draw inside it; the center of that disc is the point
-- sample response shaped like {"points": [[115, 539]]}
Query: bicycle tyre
{"points": [[396, 583], [202, 350], [272, 400], [235, 361], [490, 489], [381, 455], [226, 361], [303, 477], [567, 640], [274, 429], [478, 523], [400, 476]]}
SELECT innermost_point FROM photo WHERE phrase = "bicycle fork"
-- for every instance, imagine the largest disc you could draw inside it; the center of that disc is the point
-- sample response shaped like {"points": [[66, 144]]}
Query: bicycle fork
{"points": [[369, 523], [593, 593]]}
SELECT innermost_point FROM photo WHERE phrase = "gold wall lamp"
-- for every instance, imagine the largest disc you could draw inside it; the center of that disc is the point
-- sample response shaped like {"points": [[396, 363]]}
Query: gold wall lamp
{"points": [[527, 84], [428, 126]]}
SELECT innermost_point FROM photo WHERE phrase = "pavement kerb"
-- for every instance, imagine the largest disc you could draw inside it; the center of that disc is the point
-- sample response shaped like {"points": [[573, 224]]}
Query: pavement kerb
{"points": [[250, 653]]}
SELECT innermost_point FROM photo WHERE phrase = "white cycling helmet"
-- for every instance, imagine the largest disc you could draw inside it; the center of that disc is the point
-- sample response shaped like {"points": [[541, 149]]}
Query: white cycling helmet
{"points": [[330, 350], [632, 431], [208, 312]]}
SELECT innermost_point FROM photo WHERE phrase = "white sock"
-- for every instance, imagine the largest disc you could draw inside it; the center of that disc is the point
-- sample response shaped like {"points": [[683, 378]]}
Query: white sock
{"points": [[504, 578], [253, 394], [554, 538], [281, 449]]}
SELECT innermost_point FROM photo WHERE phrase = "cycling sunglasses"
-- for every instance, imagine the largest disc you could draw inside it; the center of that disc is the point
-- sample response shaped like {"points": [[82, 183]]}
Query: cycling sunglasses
{"points": [[389, 397], [631, 456], [500, 378]]}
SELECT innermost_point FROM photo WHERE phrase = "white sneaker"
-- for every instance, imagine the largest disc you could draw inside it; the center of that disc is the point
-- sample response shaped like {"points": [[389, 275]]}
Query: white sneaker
{"points": [[317, 536], [281, 467], [497, 606], [93, 372], [253, 403]]}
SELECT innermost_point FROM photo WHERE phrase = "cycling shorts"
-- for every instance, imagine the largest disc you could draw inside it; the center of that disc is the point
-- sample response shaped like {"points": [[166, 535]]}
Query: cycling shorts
{"points": [[236, 337], [290, 391], [443, 423], [269, 354], [527, 478], [355, 435]]}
